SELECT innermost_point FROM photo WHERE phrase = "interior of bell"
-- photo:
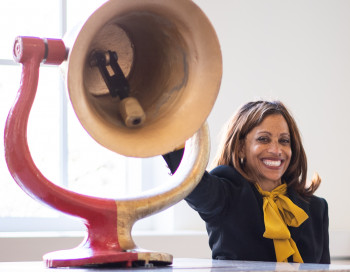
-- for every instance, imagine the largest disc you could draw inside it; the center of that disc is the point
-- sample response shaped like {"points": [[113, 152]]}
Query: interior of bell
{"points": [[153, 55]]}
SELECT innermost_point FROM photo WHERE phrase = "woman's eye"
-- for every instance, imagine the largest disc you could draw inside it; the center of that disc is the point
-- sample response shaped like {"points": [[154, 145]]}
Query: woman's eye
{"points": [[285, 141], [263, 139]]}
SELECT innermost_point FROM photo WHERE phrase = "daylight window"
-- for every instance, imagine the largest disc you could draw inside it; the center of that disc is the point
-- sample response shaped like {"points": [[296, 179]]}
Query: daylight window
{"points": [[60, 147]]}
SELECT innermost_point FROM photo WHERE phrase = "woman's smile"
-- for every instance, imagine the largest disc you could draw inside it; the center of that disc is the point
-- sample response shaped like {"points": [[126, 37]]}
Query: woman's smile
{"points": [[267, 151], [272, 163]]}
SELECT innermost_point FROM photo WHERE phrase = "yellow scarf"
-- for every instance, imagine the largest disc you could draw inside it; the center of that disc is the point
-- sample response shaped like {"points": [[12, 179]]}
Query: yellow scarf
{"points": [[280, 211]]}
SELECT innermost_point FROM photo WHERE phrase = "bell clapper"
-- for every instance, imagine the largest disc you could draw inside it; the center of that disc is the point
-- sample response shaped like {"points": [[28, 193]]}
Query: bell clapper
{"points": [[117, 84]]}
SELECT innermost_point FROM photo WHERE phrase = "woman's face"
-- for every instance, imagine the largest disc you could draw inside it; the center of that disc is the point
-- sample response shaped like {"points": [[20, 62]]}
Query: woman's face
{"points": [[267, 151]]}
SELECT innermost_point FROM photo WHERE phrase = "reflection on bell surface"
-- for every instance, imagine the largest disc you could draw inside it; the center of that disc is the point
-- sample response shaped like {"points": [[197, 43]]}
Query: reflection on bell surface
{"points": [[170, 56]]}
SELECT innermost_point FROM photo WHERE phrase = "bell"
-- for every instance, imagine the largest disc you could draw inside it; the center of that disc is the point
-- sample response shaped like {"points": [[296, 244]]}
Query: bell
{"points": [[170, 56], [142, 76]]}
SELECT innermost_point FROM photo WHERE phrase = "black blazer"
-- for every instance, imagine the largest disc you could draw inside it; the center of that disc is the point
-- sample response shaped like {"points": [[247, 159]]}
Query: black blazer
{"points": [[232, 209]]}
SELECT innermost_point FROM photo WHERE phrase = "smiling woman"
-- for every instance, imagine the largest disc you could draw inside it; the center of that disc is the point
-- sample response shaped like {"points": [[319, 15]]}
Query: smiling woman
{"points": [[261, 168], [266, 152], [263, 139]]}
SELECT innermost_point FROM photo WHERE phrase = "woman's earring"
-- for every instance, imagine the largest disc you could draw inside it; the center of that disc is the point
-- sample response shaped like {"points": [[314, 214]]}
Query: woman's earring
{"points": [[242, 160]]}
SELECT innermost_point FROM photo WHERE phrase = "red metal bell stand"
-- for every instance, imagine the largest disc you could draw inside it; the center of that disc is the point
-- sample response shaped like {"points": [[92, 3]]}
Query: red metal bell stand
{"points": [[108, 221], [100, 215]]}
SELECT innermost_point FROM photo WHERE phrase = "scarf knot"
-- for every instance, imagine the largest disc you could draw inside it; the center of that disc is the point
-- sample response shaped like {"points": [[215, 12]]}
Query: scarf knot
{"points": [[280, 212]]}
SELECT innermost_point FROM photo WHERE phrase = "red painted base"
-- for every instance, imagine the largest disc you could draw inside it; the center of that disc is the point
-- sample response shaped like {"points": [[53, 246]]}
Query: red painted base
{"points": [[86, 257]]}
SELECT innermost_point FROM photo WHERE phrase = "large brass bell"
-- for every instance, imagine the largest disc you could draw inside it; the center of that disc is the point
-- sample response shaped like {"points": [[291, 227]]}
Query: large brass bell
{"points": [[142, 76], [171, 57]]}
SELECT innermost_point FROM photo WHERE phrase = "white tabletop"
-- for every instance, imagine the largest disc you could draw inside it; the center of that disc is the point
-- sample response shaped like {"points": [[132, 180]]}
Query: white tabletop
{"points": [[184, 265]]}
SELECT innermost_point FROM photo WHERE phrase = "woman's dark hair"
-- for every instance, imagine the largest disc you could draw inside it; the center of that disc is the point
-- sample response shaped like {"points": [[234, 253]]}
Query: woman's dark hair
{"points": [[248, 117]]}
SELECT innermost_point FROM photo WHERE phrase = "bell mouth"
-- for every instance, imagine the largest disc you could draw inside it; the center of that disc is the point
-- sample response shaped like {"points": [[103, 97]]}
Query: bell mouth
{"points": [[153, 56], [170, 55]]}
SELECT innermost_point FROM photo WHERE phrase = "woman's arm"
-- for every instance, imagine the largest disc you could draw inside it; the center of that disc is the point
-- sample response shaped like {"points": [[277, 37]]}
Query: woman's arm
{"points": [[210, 196], [173, 159]]}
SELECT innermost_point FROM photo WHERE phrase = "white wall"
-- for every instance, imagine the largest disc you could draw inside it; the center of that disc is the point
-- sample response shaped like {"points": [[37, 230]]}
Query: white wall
{"points": [[296, 51]]}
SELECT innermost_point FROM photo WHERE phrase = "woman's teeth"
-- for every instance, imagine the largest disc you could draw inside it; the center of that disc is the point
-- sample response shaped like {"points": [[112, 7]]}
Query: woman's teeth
{"points": [[272, 163]]}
